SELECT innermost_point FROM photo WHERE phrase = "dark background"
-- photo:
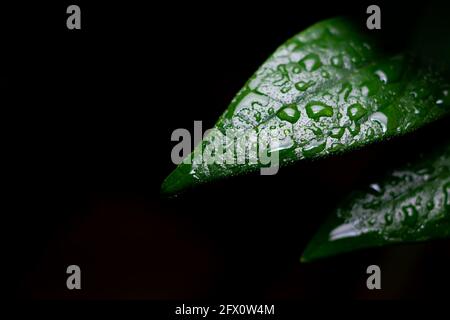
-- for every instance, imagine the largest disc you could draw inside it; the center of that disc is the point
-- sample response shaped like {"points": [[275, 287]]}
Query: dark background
{"points": [[88, 136]]}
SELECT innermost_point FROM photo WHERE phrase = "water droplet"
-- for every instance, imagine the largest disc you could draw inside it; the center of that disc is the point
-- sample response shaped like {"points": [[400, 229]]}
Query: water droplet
{"points": [[346, 89], [335, 147], [381, 119], [327, 96], [315, 147], [444, 98], [303, 86], [370, 133], [271, 110], [279, 145], [285, 89], [410, 215], [311, 62], [317, 131], [289, 113], [376, 188], [356, 111], [365, 91], [354, 129], [296, 69], [317, 109], [381, 75], [282, 68], [388, 219], [337, 61], [283, 76], [337, 133], [391, 70], [325, 74], [258, 116]]}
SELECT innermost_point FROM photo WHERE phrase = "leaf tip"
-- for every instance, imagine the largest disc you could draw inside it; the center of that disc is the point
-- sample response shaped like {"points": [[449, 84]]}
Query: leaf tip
{"points": [[177, 181]]}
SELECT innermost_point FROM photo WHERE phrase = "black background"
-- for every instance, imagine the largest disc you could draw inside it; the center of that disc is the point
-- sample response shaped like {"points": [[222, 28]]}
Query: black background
{"points": [[88, 134]]}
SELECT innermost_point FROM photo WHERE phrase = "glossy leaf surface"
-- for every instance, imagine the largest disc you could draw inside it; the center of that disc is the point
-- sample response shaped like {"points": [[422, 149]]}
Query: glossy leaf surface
{"points": [[410, 204], [329, 89]]}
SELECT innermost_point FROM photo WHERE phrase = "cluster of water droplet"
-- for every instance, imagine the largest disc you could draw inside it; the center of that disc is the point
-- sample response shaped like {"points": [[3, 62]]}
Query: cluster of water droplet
{"points": [[327, 89], [321, 91], [403, 205]]}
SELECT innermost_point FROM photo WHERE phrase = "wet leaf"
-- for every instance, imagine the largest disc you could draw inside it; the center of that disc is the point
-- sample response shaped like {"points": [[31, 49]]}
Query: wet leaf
{"points": [[410, 204], [327, 90]]}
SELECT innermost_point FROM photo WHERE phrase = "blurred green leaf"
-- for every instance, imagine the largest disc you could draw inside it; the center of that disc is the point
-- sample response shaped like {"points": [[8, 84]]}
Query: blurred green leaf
{"points": [[410, 204]]}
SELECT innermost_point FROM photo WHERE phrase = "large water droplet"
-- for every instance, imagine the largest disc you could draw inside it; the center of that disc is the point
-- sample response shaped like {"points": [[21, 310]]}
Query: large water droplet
{"points": [[289, 113], [356, 111], [311, 62], [317, 109]]}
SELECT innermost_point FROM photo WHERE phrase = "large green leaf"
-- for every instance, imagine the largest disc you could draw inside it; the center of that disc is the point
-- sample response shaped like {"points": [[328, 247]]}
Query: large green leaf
{"points": [[410, 204], [329, 89]]}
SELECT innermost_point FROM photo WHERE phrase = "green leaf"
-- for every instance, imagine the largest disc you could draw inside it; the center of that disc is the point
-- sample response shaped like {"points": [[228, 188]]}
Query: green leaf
{"points": [[327, 90], [410, 204]]}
